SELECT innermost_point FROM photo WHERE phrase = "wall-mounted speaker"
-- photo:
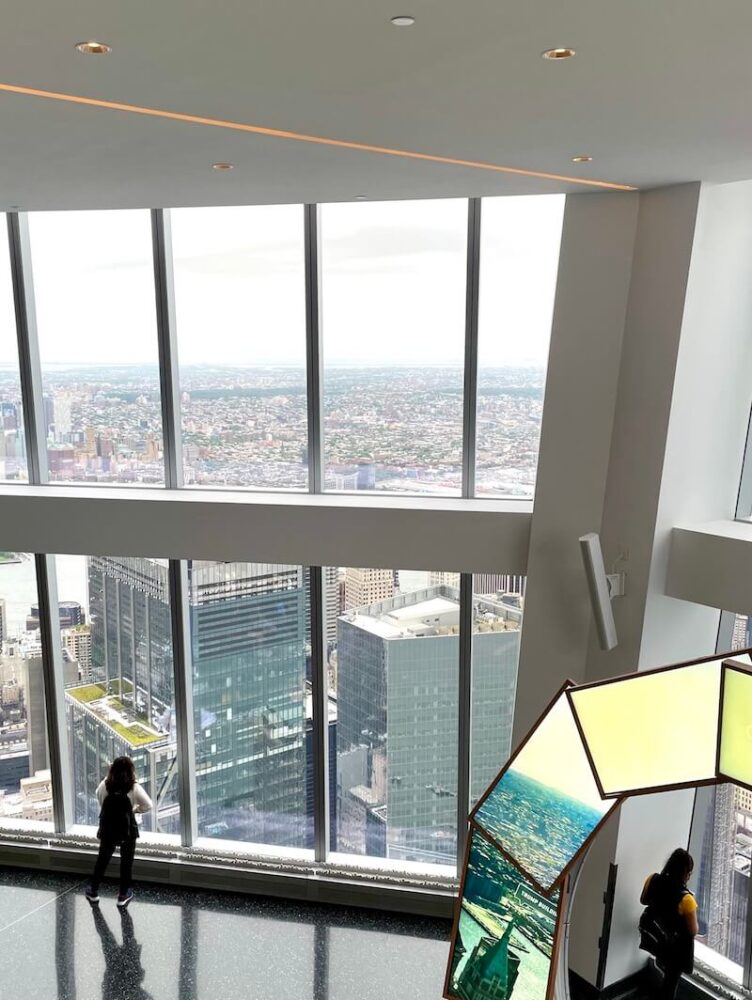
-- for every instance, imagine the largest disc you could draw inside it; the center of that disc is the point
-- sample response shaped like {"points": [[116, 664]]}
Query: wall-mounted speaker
{"points": [[602, 589]]}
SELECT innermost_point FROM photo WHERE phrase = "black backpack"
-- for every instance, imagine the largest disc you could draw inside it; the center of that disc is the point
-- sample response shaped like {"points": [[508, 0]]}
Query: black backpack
{"points": [[655, 938], [659, 927], [116, 820]]}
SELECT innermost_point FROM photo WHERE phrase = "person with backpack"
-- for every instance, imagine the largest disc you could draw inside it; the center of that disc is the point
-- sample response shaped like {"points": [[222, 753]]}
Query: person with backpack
{"points": [[121, 799], [668, 925]]}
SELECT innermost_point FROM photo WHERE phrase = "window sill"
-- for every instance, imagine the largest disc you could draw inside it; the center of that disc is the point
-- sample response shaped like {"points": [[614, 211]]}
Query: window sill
{"points": [[220, 866], [717, 977]]}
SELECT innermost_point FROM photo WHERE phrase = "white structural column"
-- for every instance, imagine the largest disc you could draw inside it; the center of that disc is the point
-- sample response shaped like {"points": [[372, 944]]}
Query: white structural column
{"points": [[578, 416], [658, 283], [660, 273], [578, 413]]}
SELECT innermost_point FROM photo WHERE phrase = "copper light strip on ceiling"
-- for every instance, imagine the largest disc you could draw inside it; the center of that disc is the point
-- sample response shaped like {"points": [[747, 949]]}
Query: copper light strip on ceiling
{"points": [[275, 133]]}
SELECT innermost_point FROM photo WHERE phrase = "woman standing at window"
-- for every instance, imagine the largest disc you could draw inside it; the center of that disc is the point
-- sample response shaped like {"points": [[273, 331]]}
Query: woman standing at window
{"points": [[669, 924], [120, 798]]}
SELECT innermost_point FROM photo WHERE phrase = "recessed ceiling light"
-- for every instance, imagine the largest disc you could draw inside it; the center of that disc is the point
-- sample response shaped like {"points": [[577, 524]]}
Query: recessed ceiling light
{"points": [[360, 197], [582, 158], [222, 166], [403, 21], [561, 53], [94, 48]]}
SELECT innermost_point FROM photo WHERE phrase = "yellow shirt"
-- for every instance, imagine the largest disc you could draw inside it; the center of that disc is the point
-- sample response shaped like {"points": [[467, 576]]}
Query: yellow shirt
{"points": [[687, 904]]}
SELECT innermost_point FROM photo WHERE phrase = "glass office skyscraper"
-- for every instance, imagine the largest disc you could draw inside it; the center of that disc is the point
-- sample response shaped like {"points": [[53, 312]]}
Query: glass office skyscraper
{"points": [[248, 655], [131, 634], [397, 710], [249, 658]]}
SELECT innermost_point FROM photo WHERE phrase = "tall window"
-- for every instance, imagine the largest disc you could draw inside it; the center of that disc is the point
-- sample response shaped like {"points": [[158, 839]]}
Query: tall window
{"points": [[250, 644], [240, 301], [25, 781], [115, 630], [12, 441], [96, 316], [394, 323], [519, 258], [722, 842]]}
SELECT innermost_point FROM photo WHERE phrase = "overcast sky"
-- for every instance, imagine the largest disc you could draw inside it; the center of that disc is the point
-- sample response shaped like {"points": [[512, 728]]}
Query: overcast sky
{"points": [[393, 284]]}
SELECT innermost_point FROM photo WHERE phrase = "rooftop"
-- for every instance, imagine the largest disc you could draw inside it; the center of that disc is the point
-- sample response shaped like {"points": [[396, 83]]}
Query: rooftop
{"points": [[111, 712], [434, 611]]}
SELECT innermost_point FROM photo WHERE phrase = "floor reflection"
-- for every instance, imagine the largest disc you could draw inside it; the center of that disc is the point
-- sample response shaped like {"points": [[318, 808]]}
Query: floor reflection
{"points": [[183, 945], [65, 931], [123, 972]]}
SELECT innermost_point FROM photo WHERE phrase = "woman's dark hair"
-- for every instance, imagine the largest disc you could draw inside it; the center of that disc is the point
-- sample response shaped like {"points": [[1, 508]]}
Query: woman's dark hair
{"points": [[679, 866], [121, 776]]}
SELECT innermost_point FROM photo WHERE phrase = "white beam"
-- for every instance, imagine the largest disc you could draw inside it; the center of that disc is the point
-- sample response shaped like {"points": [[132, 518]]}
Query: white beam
{"points": [[471, 536]]}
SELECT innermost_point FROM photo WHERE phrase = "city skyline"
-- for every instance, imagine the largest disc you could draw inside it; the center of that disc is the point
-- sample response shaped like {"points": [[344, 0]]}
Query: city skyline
{"points": [[247, 428]]}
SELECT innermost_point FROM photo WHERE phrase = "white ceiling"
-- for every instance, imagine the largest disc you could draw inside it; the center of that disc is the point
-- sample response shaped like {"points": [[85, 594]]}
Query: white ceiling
{"points": [[660, 92]]}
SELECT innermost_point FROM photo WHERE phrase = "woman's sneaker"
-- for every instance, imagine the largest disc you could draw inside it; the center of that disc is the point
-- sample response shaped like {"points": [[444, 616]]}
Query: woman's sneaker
{"points": [[123, 900], [91, 895]]}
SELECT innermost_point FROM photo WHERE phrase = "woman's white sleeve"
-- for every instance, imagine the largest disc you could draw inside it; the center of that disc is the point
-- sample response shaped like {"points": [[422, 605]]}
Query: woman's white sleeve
{"points": [[143, 802], [101, 793]]}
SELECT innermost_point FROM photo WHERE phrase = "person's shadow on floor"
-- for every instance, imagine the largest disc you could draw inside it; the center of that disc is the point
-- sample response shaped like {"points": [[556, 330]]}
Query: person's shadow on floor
{"points": [[123, 972]]}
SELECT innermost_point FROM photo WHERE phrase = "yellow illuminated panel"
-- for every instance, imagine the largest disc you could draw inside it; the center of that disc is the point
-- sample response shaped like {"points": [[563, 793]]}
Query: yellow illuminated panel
{"points": [[736, 727], [652, 730]]}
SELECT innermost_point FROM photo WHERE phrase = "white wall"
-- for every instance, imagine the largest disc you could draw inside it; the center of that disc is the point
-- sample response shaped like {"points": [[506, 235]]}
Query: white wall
{"points": [[650, 827], [709, 411]]}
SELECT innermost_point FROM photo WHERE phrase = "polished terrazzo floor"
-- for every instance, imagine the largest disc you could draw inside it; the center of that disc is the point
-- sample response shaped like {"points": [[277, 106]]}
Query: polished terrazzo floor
{"points": [[189, 945]]}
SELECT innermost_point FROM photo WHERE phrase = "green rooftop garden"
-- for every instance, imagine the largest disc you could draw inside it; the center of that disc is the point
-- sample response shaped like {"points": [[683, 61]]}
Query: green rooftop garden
{"points": [[135, 734], [89, 692]]}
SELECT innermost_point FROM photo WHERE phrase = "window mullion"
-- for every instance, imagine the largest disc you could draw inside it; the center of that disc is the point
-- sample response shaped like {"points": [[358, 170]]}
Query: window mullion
{"points": [[164, 289], [464, 718], [314, 353], [320, 735], [52, 670], [28, 348], [183, 674], [470, 394]]}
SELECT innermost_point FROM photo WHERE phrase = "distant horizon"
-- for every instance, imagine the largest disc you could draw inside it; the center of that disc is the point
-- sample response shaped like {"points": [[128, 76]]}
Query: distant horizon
{"points": [[68, 366]]}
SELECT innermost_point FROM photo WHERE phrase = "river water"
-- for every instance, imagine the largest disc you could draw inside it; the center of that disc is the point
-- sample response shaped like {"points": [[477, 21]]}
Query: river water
{"points": [[18, 587]]}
